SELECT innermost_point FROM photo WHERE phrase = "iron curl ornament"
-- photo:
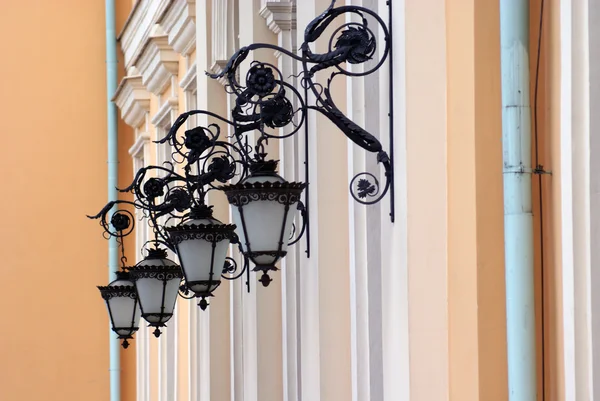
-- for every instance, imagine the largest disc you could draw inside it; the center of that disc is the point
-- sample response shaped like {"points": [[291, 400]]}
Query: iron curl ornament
{"points": [[268, 212], [266, 99]]}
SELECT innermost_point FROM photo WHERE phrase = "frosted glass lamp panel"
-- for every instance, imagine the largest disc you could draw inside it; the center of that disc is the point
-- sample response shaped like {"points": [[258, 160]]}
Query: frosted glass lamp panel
{"points": [[172, 290], [263, 222], [197, 259], [150, 292], [125, 313]]}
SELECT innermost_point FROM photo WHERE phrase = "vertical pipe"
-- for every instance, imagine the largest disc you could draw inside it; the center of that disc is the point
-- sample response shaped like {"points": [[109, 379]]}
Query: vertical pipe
{"points": [[111, 126], [518, 218]]}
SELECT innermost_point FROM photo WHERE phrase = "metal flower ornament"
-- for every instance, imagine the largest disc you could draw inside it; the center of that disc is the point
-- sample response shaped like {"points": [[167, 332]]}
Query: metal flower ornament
{"points": [[269, 213]]}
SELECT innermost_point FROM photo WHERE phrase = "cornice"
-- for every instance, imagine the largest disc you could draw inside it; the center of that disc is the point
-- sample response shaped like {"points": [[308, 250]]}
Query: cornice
{"points": [[279, 16], [133, 100], [138, 146], [138, 28], [189, 81], [217, 68], [162, 118], [179, 23], [157, 64]]}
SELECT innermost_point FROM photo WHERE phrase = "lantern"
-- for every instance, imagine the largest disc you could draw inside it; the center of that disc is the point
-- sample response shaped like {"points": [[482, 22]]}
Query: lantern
{"points": [[263, 206], [123, 306], [157, 282], [202, 243]]}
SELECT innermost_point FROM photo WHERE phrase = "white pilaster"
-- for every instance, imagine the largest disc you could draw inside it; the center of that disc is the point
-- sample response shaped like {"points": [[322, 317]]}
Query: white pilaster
{"points": [[566, 178], [581, 240], [280, 17], [359, 282], [262, 347], [325, 276], [213, 379], [394, 265]]}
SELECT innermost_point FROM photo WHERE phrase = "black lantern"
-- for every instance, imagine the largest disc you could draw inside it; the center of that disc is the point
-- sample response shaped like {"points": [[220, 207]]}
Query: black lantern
{"points": [[157, 282], [123, 306], [202, 243], [263, 211], [264, 204]]}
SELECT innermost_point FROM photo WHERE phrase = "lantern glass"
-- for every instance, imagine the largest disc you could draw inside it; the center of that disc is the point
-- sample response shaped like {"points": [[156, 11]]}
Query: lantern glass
{"points": [[263, 209], [122, 306], [157, 280], [268, 224], [202, 260], [202, 245]]}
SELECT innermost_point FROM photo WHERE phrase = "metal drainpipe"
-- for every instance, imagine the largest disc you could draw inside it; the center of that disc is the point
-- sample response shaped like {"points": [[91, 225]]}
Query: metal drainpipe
{"points": [[111, 115], [518, 217]]}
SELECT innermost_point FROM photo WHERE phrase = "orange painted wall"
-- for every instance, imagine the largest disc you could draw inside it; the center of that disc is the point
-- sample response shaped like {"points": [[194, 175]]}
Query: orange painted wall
{"points": [[54, 330]]}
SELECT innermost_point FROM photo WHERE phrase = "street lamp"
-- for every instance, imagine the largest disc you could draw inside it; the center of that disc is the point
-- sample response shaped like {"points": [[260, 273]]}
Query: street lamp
{"points": [[157, 280], [122, 306], [263, 210], [202, 243], [173, 197]]}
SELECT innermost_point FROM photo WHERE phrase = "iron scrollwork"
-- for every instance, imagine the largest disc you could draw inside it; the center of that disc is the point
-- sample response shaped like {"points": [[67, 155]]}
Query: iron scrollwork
{"points": [[203, 159], [264, 103]]}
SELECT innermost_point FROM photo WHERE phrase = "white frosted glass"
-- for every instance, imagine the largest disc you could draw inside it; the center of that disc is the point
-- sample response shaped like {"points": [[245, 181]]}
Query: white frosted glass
{"points": [[150, 291], [263, 223], [196, 257], [122, 312]]}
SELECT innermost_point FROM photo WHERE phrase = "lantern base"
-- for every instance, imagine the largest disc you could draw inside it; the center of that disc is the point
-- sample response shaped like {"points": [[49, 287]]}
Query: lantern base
{"points": [[157, 320], [203, 304], [125, 337], [265, 279]]}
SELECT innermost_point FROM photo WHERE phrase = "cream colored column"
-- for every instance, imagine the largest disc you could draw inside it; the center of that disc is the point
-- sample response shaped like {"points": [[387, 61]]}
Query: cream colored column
{"points": [[324, 277], [280, 17], [580, 126], [394, 239], [476, 295], [261, 319], [594, 76], [213, 349], [575, 218], [357, 243], [427, 186], [368, 224]]}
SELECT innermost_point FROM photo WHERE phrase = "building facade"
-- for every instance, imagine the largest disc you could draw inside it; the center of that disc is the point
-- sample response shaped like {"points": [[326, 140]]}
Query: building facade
{"points": [[409, 310]]}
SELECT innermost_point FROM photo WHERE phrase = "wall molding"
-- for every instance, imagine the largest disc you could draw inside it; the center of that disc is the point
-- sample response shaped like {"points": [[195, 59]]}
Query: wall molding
{"points": [[163, 117], [138, 28], [158, 63], [179, 23], [137, 150], [189, 82], [217, 67], [133, 100], [279, 16]]}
